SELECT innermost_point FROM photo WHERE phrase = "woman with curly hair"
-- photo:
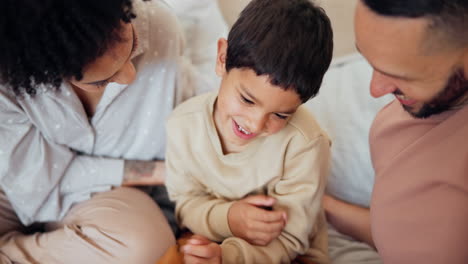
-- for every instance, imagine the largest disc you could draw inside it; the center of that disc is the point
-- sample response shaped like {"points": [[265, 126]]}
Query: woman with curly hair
{"points": [[85, 88]]}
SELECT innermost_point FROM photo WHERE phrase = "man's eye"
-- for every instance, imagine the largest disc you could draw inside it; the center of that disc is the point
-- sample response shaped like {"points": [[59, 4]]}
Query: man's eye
{"points": [[281, 116], [246, 100]]}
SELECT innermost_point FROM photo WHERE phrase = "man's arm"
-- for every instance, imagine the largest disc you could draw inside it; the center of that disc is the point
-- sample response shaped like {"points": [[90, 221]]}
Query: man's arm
{"points": [[349, 219]]}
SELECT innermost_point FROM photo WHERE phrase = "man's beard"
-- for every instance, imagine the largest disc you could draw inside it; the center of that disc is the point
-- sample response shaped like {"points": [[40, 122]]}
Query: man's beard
{"points": [[452, 95]]}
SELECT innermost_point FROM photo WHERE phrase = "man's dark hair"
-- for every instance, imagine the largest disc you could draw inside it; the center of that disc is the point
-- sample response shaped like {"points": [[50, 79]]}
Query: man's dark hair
{"points": [[47, 41], [290, 41], [449, 17]]}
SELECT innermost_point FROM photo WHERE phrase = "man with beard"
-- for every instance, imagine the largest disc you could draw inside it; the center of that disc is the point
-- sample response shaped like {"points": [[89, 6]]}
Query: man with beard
{"points": [[419, 208]]}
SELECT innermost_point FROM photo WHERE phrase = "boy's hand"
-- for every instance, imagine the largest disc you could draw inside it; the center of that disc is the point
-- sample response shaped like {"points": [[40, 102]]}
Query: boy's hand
{"points": [[199, 250], [249, 220]]}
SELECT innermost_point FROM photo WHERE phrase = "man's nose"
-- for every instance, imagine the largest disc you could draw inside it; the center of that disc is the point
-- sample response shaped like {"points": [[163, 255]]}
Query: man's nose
{"points": [[127, 74], [381, 85]]}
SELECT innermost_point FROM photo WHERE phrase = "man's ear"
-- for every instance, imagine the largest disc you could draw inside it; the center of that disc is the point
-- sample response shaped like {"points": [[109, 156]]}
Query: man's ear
{"points": [[221, 57]]}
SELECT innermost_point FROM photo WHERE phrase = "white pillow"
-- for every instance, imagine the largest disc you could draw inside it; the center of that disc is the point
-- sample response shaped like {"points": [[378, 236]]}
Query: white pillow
{"points": [[345, 110], [203, 25]]}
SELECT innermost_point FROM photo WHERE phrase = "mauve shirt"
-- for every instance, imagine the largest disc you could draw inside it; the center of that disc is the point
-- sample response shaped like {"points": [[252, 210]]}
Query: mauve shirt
{"points": [[419, 207]]}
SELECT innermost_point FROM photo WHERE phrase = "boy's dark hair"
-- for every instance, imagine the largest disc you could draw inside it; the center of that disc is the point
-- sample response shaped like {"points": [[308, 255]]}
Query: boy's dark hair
{"points": [[449, 17], [291, 41], [47, 41]]}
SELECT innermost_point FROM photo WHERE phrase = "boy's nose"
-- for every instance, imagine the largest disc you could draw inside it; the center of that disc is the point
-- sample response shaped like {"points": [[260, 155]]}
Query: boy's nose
{"points": [[258, 124], [381, 85]]}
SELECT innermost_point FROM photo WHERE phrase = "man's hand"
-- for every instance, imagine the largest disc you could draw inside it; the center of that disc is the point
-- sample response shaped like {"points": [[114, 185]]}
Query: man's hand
{"points": [[138, 173], [200, 250], [251, 220]]}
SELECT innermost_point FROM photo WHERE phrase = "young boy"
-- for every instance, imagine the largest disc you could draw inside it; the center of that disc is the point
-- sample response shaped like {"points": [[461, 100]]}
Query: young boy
{"points": [[247, 166]]}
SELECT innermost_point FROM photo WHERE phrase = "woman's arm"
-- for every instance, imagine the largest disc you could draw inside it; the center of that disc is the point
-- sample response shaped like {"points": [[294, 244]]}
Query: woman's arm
{"points": [[42, 178], [140, 173]]}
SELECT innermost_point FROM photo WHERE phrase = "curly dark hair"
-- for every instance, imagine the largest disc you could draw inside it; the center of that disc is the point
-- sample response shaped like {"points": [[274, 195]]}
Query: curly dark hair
{"points": [[48, 41]]}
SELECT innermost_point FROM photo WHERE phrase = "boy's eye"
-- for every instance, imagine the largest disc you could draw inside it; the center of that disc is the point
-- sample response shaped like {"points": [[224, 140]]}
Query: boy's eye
{"points": [[281, 116], [246, 100]]}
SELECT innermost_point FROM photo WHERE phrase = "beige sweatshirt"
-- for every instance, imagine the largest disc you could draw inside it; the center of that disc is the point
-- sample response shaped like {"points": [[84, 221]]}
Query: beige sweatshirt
{"points": [[290, 166]]}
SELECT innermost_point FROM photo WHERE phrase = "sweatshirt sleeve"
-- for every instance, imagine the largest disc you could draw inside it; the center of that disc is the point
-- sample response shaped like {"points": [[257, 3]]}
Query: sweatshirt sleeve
{"points": [[41, 179], [299, 192], [196, 209]]}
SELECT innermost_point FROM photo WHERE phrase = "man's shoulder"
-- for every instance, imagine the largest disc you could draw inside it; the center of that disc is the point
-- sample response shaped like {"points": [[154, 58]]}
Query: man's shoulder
{"points": [[391, 115], [389, 110]]}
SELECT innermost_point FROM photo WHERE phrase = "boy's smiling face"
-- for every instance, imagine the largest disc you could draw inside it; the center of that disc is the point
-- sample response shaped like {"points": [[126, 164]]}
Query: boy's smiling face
{"points": [[249, 106]]}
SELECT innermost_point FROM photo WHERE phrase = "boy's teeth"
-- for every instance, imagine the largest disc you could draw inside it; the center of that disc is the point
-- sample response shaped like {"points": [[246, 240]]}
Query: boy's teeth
{"points": [[243, 130], [403, 97]]}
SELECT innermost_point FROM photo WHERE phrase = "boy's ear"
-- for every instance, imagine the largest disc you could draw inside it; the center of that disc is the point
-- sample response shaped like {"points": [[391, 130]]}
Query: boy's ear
{"points": [[221, 57]]}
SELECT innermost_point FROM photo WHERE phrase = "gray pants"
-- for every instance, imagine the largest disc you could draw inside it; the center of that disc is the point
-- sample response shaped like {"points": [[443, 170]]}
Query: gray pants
{"points": [[345, 250], [159, 194], [120, 226]]}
